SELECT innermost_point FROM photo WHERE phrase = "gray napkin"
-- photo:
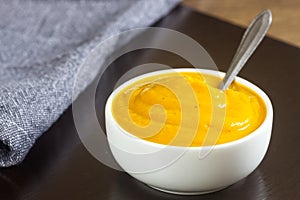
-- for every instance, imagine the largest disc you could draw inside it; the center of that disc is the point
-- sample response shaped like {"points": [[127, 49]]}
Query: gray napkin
{"points": [[42, 45]]}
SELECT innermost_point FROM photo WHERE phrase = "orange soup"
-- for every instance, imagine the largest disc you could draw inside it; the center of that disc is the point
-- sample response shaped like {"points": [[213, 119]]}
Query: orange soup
{"points": [[187, 109]]}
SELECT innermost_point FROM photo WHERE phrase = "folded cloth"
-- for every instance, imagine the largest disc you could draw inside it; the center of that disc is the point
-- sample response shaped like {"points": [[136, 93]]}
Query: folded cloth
{"points": [[42, 45]]}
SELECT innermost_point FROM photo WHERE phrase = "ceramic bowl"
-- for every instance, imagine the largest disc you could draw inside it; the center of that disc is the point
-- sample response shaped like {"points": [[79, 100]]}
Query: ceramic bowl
{"points": [[181, 170]]}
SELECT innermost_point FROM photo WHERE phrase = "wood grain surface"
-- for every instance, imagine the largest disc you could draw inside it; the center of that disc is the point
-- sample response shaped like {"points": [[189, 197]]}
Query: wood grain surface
{"points": [[60, 167], [286, 14]]}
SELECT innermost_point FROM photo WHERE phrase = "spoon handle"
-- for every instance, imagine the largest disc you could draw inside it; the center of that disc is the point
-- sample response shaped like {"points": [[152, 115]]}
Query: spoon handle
{"points": [[251, 39]]}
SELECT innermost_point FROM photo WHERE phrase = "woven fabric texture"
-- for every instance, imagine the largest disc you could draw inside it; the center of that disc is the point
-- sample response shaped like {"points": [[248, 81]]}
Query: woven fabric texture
{"points": [[42, 45]]}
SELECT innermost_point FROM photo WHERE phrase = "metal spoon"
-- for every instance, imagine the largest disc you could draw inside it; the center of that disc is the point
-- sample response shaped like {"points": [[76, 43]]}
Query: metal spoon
{"points": [[251, 39]]}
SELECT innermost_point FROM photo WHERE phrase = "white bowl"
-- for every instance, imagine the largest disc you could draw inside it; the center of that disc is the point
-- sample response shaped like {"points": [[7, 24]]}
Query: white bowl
{"points": [[180, 170]]}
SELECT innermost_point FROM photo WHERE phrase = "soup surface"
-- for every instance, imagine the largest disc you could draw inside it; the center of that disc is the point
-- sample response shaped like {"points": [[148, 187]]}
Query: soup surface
{"points": [[187, 109]]}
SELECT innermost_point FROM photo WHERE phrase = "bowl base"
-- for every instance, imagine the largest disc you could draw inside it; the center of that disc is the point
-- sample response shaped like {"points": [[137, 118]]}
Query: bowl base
{"points": [[186, 193]]}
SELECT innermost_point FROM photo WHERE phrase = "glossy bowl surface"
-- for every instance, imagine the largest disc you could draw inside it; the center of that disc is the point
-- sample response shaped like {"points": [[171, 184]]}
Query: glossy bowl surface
{"points": [[181, 170]]}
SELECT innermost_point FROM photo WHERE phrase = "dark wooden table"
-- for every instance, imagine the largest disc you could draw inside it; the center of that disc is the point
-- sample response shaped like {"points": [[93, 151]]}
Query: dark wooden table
{"points": [[59, 166]]}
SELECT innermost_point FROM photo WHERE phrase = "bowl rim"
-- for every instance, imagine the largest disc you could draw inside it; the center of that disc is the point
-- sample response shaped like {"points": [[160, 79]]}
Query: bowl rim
{"points": [[242, 81]]}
